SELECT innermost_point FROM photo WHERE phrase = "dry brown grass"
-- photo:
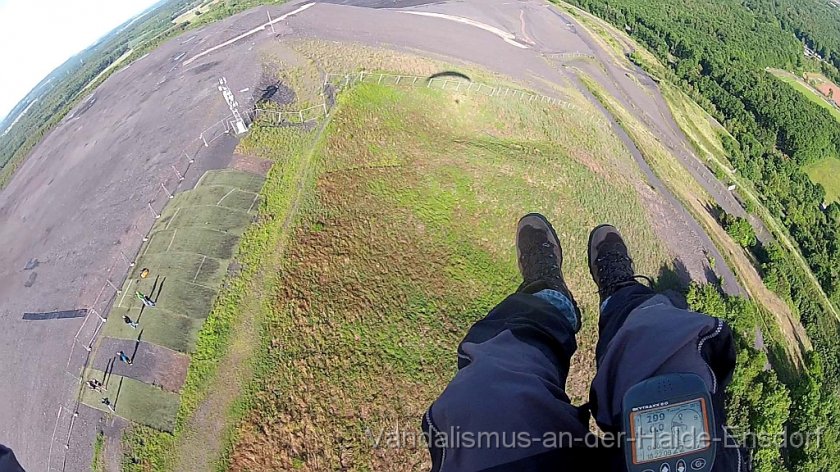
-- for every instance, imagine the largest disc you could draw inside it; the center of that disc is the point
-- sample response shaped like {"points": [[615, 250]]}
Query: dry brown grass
{"points": [[408, 241]]}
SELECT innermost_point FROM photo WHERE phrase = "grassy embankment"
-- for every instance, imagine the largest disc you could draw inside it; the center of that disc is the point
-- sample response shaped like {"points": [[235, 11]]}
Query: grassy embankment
{"points": [[409, 239], [705, 134], [780, 326]]}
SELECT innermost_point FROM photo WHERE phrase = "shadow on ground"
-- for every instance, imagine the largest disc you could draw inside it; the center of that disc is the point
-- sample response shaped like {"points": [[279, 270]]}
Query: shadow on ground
{"points": [[672, 281]]}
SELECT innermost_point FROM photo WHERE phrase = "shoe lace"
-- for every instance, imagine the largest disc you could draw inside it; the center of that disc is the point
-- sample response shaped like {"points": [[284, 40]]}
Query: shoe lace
{"points": [[615, 270], [540, 257]]}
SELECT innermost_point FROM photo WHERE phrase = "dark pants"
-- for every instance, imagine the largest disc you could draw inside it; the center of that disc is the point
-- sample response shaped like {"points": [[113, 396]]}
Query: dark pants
{"points": [[506, 408]]}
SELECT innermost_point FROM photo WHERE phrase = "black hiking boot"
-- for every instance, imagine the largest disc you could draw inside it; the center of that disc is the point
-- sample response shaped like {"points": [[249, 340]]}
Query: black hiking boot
{"points": [[609, 261], [541, 258]]}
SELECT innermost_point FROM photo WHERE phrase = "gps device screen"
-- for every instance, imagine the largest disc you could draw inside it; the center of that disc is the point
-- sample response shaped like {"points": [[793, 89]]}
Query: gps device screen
{"points": [[669, 431], [669, 425]]}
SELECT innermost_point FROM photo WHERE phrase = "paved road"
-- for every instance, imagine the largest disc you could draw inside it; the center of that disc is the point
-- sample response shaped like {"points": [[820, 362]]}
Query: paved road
{"points": [[80, 200], [74, 208]]}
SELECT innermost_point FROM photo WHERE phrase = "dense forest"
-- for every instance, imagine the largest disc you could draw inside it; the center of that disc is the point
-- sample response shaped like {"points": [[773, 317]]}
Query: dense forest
{"points": [[717, 51]]}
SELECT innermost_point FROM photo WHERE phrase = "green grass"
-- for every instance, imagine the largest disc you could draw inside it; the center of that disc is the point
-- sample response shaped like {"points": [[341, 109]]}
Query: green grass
{"points": [[188, 253], [826, 172], [134, 400], [408, 240], [702, 129], [98, 463], [221, 334], [805, 90]]}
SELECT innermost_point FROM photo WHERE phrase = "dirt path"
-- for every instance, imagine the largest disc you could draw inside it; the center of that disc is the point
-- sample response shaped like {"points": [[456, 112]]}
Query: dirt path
{"points": [[729, 282], [638, 92]]}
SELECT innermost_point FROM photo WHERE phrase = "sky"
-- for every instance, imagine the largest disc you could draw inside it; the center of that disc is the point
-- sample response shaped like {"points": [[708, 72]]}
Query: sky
{"points": [[36, 36]]}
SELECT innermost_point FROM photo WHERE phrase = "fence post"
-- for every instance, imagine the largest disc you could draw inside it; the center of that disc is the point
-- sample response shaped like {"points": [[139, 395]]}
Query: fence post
{"points": [[399, 77], [379, 82], [180, 177], [415, 80]]}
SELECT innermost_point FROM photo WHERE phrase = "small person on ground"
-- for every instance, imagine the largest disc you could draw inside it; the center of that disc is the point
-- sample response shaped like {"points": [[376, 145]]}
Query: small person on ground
{"points": [[96, 385], [144, 299], [124, 357], [128, 321]]}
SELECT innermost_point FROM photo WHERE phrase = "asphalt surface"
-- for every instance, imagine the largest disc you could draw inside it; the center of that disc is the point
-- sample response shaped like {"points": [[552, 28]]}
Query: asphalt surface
{"points": [[81, 200], [77, 205]]}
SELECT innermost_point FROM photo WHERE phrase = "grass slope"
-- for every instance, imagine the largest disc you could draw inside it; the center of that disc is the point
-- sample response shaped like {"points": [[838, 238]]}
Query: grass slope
{"points": [[408, 241], [826, 172]]}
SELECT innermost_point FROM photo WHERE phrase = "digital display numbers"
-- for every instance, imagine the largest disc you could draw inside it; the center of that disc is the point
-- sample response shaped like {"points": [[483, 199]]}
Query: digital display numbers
{"points": [[669, 431]]}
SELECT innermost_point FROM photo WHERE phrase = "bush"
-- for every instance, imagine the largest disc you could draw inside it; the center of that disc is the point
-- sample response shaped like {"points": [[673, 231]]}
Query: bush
{"points": [[739, 229], [756, 402]]}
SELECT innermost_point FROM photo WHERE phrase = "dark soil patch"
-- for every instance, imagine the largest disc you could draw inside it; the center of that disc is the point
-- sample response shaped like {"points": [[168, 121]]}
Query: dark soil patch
{"points": [[203, 68], [151, 363], [271, 90], [251, 164]]}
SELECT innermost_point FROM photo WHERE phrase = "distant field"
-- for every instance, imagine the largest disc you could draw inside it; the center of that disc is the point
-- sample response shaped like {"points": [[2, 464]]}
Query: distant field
{"points": [[806, 90], [824, 85], [826, 173]]}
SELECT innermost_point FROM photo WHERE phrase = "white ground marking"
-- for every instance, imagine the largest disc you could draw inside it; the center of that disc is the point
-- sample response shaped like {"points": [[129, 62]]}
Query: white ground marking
{"points": [[174, 232], [507, 37], [170, 220], [219, 203], [249, 33], [203, 258], [52, 441], [524, 31], [127, 288]]}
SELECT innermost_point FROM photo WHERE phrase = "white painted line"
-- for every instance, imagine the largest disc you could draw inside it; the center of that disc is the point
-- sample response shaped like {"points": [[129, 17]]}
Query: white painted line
{"points": [[127, 288], [203, 258], [257, 196], [55, 429], [507, 37], [249, 33], [226, 195], [172, 219], [174, 232]]}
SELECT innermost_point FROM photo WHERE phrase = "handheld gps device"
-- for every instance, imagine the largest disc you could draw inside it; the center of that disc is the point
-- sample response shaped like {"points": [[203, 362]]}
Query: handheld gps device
{"points": [[669, 425]]}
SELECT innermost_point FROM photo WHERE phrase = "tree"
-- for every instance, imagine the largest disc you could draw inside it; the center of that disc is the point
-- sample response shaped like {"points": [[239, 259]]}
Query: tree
{"points": [[739, 229]]}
